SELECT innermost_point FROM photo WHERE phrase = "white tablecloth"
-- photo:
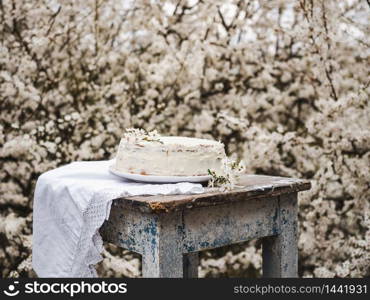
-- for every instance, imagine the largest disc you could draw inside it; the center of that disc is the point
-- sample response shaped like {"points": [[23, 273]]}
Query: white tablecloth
{"points": [[70, 205]]}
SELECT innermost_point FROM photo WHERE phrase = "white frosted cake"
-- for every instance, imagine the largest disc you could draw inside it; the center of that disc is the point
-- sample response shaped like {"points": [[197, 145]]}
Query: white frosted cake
{"points": [[168, 155]]}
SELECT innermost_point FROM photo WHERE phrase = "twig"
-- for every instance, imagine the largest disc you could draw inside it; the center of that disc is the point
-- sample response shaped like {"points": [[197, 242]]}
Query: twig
{"points": [[52, 20]]}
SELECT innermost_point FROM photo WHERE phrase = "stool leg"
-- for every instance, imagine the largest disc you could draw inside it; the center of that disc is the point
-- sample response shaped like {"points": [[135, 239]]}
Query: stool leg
{"points": [[162, 257], [190, 263], [280, 253]]}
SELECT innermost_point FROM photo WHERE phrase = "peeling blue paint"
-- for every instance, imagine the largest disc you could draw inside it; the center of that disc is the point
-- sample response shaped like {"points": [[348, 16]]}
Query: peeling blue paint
{"points": [[151, 228], [189, 248], [275, 216], [204, 245], [129, 243]]}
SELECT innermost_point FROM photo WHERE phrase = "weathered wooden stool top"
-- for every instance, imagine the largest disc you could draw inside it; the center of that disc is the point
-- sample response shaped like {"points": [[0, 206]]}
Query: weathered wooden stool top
{"points": [[251, 187]]}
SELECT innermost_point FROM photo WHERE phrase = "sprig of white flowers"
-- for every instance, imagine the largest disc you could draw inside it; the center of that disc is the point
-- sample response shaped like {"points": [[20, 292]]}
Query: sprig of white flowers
{"points": [[229, 176], [139, 134]]}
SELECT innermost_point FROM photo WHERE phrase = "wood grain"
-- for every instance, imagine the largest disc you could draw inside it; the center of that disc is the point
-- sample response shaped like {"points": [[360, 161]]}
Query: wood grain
{"points": [[251, 187]]}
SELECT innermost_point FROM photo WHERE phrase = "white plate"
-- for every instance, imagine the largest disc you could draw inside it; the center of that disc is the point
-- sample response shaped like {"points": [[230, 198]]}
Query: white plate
{"points": [[159, 179]]}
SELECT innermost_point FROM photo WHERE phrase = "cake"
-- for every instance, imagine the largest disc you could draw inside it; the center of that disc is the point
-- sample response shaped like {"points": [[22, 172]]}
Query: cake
{"points": [[151, 154]]}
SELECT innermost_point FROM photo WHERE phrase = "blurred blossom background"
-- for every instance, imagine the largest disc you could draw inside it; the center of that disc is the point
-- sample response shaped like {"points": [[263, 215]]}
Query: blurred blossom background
{"points": [[284, 84]]}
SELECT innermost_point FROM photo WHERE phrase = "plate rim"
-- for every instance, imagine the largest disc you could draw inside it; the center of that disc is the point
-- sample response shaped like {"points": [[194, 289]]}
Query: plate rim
{"points": [[201, 178]]}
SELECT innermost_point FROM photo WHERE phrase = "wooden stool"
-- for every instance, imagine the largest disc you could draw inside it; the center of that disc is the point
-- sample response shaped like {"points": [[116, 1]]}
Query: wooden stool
{"points": [[169, 231]]}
